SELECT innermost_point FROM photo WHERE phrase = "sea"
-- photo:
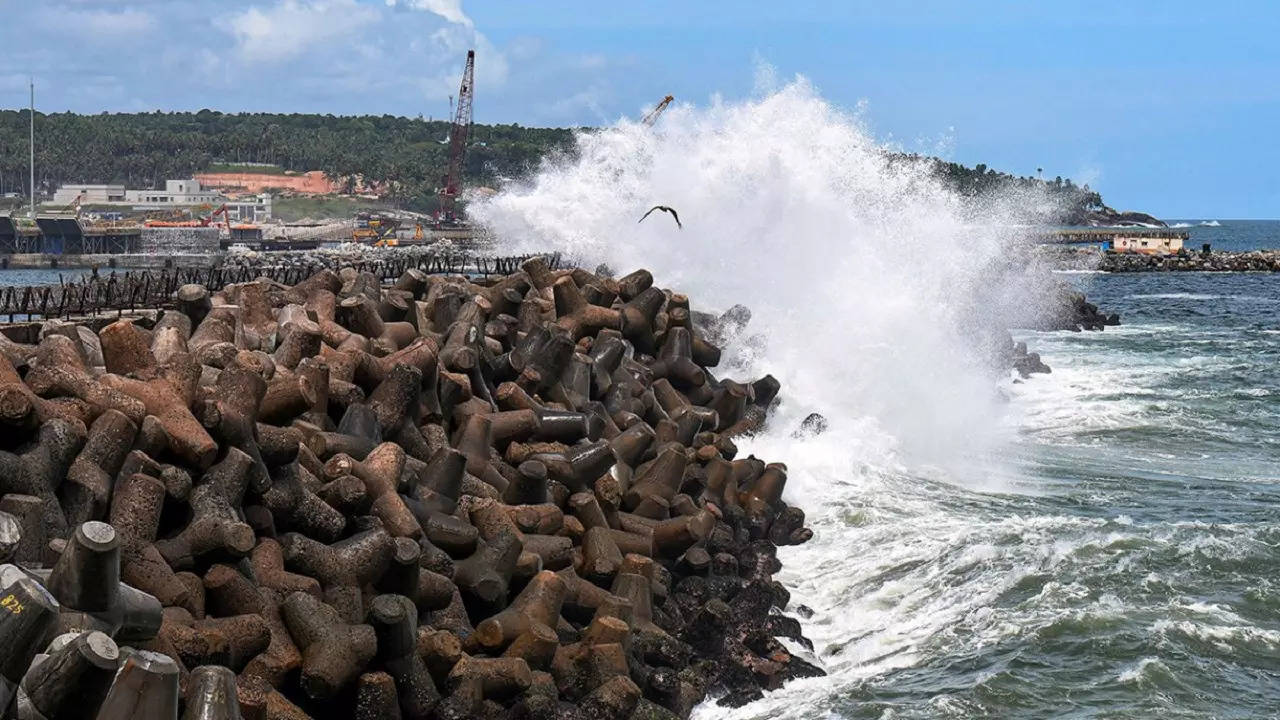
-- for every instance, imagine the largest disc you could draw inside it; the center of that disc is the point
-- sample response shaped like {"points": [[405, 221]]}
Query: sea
{"points": [[1230, 234], [1099, 542], [1127, 563]]}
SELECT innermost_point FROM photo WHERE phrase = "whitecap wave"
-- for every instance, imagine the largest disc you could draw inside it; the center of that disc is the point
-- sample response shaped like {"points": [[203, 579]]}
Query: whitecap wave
{"points": [[1177, 296], [1143, 671]]}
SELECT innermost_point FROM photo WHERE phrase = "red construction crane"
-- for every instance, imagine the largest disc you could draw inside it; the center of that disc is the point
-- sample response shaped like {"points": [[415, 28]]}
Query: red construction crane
{"points": [[458, 134], [206, 221]]}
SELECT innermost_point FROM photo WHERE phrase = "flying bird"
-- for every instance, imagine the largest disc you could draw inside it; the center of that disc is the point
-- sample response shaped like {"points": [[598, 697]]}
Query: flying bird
{"points": [[663, 208]]}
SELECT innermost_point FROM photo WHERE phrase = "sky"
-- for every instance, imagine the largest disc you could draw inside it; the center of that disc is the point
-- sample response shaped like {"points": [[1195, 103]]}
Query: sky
{"points": [[1167, 107]]}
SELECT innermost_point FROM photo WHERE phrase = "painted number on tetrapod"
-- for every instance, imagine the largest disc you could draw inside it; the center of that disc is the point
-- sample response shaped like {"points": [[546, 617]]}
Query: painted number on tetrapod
{"points": [[12, 604]]}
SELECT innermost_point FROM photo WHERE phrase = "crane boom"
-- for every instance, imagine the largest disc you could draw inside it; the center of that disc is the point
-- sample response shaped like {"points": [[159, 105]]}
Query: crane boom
{"points": [[74, 205], [652, 116], [458, 135]]}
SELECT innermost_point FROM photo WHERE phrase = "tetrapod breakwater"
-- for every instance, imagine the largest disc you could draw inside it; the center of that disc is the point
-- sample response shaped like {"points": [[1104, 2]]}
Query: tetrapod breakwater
{"points": [[317, 495]]}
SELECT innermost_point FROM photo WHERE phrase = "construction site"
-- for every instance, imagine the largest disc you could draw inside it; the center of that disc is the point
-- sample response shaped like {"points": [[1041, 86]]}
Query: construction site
{"points": [[196, 222]]}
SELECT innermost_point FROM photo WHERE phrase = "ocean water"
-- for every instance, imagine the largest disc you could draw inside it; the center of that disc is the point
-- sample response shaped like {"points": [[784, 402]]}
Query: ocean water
{"points": [[1102, 541], [1122, 560], [22, 278], [1231, 234]]}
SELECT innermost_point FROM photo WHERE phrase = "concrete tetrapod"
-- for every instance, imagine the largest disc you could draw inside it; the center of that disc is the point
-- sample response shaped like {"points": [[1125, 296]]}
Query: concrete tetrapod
{"points": [[450, 497]]}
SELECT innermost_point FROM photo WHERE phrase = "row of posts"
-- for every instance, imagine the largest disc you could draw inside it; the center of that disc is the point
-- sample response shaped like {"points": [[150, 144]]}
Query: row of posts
{"points": [[145, 289]]}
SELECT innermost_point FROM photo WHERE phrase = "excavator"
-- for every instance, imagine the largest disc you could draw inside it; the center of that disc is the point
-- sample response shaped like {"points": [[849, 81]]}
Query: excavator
{"points": [[226, 218], [392, 240], [199, 222], [73, 206]]}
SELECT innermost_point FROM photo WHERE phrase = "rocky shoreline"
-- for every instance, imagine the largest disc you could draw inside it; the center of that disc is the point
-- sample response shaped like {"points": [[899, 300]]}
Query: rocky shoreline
{"points": [[1214, 261], [518, 498], [1090, 259]]}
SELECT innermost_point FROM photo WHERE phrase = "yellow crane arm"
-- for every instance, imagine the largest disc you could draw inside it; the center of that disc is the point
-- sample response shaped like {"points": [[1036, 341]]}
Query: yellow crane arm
{"points": [[652, 116]]}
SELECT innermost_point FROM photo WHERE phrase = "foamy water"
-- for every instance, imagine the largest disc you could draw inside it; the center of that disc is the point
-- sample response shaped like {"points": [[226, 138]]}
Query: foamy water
{"points": [[855, 267], [1098, 540]]}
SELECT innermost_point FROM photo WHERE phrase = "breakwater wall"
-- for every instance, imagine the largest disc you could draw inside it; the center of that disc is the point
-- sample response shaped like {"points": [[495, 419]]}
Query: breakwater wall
{"points": [[1214, 261], [148, 290], [180, 240], [133, 261], [513, 496]]}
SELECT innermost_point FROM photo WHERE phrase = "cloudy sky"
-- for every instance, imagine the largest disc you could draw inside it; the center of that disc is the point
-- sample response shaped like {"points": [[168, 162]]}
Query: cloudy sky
{"points": [[1170, 107]]}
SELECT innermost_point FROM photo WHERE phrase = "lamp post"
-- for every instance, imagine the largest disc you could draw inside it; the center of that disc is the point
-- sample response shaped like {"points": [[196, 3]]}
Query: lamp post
{"points": [[33, 148]]}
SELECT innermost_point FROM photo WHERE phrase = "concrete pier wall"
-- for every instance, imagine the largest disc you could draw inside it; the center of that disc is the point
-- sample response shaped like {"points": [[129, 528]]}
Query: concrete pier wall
{"points": [[41, 261], [170, 241]]}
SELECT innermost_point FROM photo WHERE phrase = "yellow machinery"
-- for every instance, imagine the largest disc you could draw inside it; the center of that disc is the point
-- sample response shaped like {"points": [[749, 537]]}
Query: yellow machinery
{"points": [[375, 229]]}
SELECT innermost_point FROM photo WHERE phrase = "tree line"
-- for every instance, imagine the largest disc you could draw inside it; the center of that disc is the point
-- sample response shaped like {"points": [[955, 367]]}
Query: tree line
{"points": [[1074, 203], [140, 150], [406, 156]]}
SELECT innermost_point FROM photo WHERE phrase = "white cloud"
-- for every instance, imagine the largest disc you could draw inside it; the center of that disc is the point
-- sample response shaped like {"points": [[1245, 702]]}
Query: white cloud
{"points": [[572, 106], [443, 52], [290, 27], [450, 10], [445, 48]]}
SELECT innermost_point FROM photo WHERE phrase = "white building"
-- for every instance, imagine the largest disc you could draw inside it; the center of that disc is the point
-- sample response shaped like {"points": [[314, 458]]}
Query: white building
{"points": [[176, 193], [250, 209], [90, 194], [1147, 244]]}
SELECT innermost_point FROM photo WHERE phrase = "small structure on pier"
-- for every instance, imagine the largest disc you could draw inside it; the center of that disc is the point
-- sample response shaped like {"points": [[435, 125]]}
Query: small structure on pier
{"points": [[1146, 241]]}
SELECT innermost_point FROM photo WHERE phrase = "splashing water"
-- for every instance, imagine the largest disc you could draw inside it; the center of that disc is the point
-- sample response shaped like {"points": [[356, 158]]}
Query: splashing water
{"points": [[858, 266], [853, 264], [1129, 573]]}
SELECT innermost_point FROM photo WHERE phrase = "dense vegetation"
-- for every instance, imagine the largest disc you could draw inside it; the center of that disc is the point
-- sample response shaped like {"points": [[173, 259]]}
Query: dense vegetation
{"points": [[981, 179], [145, 149], [407, 156]]}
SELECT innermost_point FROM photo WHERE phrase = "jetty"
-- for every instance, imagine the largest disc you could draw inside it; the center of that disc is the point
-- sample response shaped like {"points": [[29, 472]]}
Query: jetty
{"points": [[64, 241], [1151, 241], [52, 235]]}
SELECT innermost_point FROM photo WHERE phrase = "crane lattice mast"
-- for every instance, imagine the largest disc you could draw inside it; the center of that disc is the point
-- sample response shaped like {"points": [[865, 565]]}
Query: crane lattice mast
{"points": [[458, 135]]}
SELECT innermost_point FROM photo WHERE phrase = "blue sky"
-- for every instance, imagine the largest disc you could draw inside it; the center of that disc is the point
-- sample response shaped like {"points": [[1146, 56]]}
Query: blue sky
{"points": [[1168, 107]]}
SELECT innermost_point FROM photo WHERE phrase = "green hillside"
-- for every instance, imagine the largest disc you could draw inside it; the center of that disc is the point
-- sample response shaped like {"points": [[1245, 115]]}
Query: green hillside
{"points": [[406, 155]]}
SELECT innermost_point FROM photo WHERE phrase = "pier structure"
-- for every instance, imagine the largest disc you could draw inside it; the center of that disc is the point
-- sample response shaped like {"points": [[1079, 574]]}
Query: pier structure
{"points": [[465, 236], [65, 236], [1150, 241], [62, 241]]}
